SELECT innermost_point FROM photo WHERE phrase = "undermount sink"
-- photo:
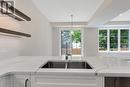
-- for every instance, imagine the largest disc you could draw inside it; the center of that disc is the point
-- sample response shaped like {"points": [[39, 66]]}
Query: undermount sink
{"points": [[67, 65]]}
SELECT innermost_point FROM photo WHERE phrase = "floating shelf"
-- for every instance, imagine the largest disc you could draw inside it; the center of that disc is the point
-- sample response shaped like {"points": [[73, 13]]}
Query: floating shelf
{"points": [[11, 32], [15, 13]]}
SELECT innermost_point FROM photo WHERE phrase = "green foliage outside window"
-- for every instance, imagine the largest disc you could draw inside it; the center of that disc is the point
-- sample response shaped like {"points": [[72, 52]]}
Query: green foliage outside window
{"points": [[124, 39], [103, 40], [76, 36], [113, 40]]}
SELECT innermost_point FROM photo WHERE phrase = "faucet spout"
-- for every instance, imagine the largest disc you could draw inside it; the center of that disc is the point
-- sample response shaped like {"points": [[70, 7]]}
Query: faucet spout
{"points": [[66, 57], [67, 52]]}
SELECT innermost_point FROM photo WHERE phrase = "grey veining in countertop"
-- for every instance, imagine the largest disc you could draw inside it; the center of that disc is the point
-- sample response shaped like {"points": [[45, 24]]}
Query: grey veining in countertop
{"points": [[102, 66]]}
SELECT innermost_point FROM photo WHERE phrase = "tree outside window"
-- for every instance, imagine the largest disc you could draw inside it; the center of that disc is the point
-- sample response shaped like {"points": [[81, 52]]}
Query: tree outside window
{"points": [[71, 41], [103, 40], [114, 36]]}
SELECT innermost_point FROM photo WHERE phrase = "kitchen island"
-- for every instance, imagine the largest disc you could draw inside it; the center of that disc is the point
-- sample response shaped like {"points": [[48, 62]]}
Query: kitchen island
{"points": [[25, 71]]}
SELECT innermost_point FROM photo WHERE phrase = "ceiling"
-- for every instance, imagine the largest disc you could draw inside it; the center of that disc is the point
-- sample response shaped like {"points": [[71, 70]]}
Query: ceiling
{"points": [[108, 10], [123, 16], [60, 10]]}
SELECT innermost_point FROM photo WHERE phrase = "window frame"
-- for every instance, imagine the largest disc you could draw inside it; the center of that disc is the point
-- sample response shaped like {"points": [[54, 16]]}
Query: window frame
{"points": [[119, 39], [98, 40], [82, 38]]}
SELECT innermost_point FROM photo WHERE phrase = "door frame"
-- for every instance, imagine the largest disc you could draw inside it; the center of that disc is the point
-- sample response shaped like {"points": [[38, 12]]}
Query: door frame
{"points": [[82, 37]]}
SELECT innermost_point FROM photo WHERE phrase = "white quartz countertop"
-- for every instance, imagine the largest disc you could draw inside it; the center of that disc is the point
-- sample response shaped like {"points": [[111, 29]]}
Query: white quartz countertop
{"points": [[111, 66], [102, 66]]}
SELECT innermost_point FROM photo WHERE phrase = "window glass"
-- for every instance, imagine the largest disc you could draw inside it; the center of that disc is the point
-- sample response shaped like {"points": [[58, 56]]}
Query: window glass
{"points": [[65, 41], [113, 40], [102, 40], [71, 42], [124, 40]]}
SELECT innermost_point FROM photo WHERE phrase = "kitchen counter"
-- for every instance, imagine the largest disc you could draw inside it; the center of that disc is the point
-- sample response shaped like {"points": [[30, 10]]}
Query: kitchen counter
{"points": [[117, 67], [24, 64], [102, 66]]}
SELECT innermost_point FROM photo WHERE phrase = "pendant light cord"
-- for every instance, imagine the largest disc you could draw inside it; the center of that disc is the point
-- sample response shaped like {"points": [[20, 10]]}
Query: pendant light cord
{"points": [[72, 23]]}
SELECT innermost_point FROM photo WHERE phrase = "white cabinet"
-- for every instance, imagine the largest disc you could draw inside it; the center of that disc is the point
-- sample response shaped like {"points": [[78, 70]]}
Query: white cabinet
{"points": [[2, 82], [22, 80], [6, 81], [51, 80], [42, 80]]}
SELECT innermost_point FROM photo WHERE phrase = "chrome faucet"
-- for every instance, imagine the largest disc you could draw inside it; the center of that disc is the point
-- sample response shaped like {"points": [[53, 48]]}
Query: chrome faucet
{"points": [[66, 57], [67, 54]]}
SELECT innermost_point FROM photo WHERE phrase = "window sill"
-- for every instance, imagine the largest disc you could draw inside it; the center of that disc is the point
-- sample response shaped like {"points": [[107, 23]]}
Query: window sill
{"points": [[113, 51]]}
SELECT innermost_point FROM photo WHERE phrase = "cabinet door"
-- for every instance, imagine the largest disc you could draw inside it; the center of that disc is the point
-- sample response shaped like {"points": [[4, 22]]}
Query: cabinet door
{"points": [[21, 81], [6, 81], [2, 82], [65, 81]]}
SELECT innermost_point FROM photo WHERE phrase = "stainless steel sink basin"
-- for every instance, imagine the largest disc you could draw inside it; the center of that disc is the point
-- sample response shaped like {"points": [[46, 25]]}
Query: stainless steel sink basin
{"points": [[54, 64], [67, 65], [78, 65]]}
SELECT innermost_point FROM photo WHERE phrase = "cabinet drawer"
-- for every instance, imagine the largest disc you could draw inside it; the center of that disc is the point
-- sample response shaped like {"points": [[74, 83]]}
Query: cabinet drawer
{"points": [[64, 81], [19, 80], [41, 80], [69, 80], [62, 85]]}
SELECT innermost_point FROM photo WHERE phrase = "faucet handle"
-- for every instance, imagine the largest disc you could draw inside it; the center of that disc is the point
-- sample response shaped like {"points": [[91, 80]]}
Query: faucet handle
{"points": [[68, 54], [66, 57]]}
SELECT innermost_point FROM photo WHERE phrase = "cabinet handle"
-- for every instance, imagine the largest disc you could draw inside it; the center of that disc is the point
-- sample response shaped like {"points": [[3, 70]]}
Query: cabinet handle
{"points": [[26, 83], [115, 82]]}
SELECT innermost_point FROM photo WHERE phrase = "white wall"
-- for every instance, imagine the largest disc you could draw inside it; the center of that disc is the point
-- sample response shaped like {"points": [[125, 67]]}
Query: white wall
{"points": [[90, 37], [40, 44], [90, 42], [55, 42], [91, 46], [9, 46]]}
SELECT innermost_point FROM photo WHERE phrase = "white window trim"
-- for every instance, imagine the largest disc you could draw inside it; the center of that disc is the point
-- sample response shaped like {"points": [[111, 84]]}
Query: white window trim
{"points": [[82, 38], [119, 39], [108, 40]]}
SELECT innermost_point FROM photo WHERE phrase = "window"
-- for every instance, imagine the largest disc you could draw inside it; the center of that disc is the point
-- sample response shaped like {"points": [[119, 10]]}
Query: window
{"points": [[71, 42], [103, 40], [124, 40], [114, 40], [65, 42]]}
